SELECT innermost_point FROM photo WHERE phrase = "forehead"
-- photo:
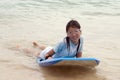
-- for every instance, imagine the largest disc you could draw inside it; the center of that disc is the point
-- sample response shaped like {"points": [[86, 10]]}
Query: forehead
{"points": [[72, 28]]}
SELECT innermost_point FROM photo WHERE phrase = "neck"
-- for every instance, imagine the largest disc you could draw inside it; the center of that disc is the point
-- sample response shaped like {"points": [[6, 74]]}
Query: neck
{"points": [[75, 42]]}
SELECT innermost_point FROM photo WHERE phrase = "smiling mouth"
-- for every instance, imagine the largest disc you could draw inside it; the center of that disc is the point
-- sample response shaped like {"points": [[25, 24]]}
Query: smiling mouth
{"points": [[74, 38]]}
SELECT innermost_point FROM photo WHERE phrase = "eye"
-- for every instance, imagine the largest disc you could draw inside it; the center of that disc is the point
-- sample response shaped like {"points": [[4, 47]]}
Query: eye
{"points": [[70, 32], [77, 30]]}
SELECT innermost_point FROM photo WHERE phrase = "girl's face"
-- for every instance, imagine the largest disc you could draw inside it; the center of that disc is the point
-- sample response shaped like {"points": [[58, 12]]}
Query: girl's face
{"points": [[74, 34]]}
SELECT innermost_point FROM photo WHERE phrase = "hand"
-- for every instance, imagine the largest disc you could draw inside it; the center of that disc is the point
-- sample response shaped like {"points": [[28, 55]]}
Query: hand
{"points": [[49, 57], [49, 54]]}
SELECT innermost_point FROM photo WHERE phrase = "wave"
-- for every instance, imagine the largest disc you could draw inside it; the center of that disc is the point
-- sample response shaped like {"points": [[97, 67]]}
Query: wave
{"points": [[100, 14]]}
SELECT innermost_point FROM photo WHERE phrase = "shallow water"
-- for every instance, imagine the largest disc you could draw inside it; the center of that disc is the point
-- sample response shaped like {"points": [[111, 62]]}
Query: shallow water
{"points": [[44, 21]]}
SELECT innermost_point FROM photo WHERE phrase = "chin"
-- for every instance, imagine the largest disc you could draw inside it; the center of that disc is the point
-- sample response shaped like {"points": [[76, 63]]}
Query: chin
{"points": [[75, 42]]}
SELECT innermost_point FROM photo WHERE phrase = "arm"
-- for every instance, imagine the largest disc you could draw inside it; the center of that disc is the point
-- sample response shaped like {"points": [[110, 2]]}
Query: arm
{"points": [[56, 49], [79, 54], [49, 54]]}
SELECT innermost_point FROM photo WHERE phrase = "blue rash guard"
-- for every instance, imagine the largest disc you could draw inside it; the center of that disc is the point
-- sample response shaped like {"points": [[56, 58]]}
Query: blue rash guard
{"points": [[61, 49]]}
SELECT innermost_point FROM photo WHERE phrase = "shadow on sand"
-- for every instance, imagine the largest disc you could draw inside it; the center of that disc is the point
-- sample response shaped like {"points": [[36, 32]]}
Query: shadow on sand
{"points": [[70, 73]]}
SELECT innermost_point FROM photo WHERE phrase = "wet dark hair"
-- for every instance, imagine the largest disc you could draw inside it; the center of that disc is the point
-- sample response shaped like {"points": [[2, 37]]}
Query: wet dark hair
{"points": [[74, 24]]}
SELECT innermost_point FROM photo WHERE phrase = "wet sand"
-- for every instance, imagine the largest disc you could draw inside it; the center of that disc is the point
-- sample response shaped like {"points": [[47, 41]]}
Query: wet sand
{"points": [[22, 22]]}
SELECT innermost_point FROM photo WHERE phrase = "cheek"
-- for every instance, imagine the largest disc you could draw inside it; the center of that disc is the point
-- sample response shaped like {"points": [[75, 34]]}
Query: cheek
{"points": [[68, 35], [79, 34]]}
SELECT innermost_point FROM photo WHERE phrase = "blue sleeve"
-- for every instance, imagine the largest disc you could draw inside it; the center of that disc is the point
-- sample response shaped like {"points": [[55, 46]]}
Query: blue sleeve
{"points": [[58, 47], [81, 45]]}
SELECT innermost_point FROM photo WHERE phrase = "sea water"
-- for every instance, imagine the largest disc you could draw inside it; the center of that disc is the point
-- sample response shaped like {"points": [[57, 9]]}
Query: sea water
{"points": [[44, 21]]}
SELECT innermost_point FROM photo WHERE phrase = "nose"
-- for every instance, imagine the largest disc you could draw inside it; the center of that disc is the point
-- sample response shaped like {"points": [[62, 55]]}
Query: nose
{"points": [[74, 34]]}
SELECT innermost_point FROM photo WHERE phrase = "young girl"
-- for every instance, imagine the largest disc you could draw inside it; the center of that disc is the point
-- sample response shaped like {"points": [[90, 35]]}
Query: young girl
{"points": [[70, 46]]}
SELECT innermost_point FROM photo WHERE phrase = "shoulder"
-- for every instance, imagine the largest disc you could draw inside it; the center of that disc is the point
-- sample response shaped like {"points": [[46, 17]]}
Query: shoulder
{"points": [[62, 42], [59, 45], [81, 39]]}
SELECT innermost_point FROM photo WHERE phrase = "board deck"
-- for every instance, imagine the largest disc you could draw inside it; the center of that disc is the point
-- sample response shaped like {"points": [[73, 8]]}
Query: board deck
{"points": [[92, 62]]}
